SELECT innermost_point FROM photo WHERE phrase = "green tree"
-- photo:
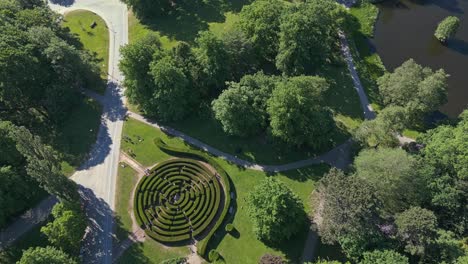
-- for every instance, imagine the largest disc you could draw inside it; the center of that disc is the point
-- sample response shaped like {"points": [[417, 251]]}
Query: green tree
{"points": [[383, 130], [260, 21], [214, 61], [172, 98], [307, 36], [240, 52], [383, 257], [447, 28], [446, 155], [135, 65], [47, 255], [420, 90], [349, 213], [297, 114], [241, 108], [416, 229], [43, 165], [67, 229], [276, 212], [394, 175]]}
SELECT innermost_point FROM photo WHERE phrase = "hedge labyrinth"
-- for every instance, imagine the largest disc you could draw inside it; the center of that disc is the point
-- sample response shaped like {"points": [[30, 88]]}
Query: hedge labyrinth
{"points": [[179, 200]]}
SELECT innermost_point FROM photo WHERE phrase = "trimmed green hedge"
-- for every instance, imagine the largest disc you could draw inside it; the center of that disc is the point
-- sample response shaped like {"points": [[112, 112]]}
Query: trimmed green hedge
{"points": [[199, 155]]}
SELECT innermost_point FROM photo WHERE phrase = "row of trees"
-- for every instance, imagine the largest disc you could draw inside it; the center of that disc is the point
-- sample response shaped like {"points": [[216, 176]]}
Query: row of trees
{"points": [[415, 204]]}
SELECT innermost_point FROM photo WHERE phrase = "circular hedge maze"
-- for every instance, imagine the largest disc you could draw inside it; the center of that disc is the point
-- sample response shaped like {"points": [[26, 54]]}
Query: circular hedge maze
{"points": [[178, 201]]}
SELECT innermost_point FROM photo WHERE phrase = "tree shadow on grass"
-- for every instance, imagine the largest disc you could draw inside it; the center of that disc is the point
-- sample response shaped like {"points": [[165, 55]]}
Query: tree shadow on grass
{"points": [[134, 255], [184, 24]]}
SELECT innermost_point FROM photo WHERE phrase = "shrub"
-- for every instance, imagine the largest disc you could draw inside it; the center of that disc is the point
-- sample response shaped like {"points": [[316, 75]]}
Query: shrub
{"points": [[229, 227], [213, 255]]}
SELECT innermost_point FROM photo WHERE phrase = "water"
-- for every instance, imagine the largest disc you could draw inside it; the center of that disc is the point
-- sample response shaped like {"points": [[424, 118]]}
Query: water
{"points": [[405, 30]]}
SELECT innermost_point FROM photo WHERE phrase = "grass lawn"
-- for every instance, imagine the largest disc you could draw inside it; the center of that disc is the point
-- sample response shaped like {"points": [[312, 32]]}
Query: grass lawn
{"points": [[244, 248], [369, 64], [33, 238], [126, 181], [136, 30], [96, 40], [151, 252], [75, 137]]}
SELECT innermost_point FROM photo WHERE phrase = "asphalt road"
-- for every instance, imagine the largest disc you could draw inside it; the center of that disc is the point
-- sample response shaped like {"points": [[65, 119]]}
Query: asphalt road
{"points": [[98, 174]]}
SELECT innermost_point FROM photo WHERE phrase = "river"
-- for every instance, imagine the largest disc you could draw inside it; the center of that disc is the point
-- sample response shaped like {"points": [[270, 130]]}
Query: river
{"points": [[405, 29]]}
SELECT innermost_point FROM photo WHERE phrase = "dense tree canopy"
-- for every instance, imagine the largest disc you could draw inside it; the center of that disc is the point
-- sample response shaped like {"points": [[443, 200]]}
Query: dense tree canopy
{"points": [[420, 90], [297, 113], [47, 255], [241, 108], [260, 21], [394, 175], [307, 37], [447, 28], [383, 257], [416, 229], [40, 67], [349, 213], [67, 229], [277, 213], [446, 154], [383, 130]]}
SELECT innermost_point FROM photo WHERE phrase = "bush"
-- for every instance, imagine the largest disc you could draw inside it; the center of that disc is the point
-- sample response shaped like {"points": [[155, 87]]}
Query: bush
{"points": [[213, 255], [229, 227]]}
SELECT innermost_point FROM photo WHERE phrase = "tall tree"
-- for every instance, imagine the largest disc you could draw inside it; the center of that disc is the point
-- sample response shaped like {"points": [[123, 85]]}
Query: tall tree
{"points": [[446, 155], [67, 229], [394, 174], [47, 255], [43, 165], [420, 90], [277, 213], [241, 108], [307, 36], [135, 65], [416, 229], [349, 213], [172, 98], [260, 21], [297, 113]]}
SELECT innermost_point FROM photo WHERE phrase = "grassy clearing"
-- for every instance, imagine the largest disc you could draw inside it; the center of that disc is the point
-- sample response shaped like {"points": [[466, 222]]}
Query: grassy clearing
{"points": [[126, 181], [219, 28], [137, 30], [33, 238], [96, 40], [75, 137], [242, 248], [151, 252], [411, 133]]}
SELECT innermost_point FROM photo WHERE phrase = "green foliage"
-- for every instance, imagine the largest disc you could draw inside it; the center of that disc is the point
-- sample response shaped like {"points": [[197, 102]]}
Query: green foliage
{"points": [[383, 257], [446, 156], [447, 28], [40, 67], [297, 114], [260, 21], [213, 60], [67, 229], [213, 255], [43, 165], [447, 248], [134, 64], [420, 90], [277, 213], [416, 229], [172, 96], [394, 175], [229, 228], [307, 35], [242, 108], [349, 213], [241, 53], [382, 130], [47, 255]]}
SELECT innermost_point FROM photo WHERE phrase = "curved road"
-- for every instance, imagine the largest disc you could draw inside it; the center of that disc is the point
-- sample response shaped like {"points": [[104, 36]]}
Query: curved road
{"points": [[97, 175]]}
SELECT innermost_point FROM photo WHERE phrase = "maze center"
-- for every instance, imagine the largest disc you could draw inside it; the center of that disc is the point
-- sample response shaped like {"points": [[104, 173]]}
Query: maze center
{"points": [[179, 200]]}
